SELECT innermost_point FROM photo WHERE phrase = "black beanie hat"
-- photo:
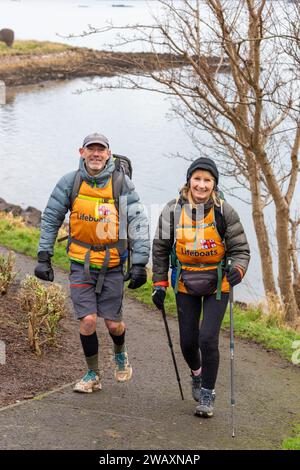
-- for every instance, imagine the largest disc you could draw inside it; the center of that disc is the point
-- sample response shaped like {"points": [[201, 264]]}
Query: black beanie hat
{"points": [[203, 163]]}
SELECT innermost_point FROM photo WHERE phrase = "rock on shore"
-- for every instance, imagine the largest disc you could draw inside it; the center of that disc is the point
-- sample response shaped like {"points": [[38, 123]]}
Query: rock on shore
{"points": [[31, 215]]}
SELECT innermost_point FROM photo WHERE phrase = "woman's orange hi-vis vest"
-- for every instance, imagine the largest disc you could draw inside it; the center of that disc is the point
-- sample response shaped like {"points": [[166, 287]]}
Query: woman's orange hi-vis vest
{"points": [[94, 221], [198, 247]]}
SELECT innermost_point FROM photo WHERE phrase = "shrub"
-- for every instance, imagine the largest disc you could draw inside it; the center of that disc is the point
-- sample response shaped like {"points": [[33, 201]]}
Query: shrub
{"points": [[6, 272], [272, 312], [45, 307]]}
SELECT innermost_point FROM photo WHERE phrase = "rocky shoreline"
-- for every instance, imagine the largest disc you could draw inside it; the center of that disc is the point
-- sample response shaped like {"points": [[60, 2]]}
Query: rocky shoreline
{"points": [[31, 215], [29, 68]]}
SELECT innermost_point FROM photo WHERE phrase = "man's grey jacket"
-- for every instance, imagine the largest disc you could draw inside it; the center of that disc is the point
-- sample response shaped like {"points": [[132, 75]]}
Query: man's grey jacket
{"points": [[59, 204]]}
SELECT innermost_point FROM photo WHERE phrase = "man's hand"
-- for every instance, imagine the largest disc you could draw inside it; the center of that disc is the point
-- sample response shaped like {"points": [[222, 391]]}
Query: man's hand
{"points": [[138, 276], [158, 296], [44, 269]]}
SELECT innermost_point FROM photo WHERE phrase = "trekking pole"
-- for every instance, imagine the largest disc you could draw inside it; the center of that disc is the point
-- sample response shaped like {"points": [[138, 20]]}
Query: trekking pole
{"points": [[171, 347], [232, 400]]}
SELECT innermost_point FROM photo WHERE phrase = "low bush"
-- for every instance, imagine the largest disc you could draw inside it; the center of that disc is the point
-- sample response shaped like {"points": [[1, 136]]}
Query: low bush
{"points": [[7, 275], [45, 307]]}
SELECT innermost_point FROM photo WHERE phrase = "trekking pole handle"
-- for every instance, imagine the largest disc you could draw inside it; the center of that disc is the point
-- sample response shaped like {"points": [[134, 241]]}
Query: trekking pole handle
{"points": [[228, 265], [227, 270]]}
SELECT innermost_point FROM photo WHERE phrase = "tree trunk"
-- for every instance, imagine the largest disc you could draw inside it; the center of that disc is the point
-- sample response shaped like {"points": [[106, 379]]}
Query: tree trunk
{"points": [[294, 260], [296, 287], [284, 262], [261, 230]]}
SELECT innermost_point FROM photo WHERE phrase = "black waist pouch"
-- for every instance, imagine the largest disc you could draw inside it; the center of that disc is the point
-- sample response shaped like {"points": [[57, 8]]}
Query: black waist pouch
{"points": [[200, 282]]}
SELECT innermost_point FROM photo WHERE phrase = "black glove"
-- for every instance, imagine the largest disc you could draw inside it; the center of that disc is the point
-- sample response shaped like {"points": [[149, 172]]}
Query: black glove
{"points": [[44, 269], [158, 296], [138, 276], [234, 276]]}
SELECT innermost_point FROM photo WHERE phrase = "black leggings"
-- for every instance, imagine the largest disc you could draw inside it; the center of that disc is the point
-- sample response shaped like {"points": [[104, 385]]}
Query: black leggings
{"points": [[206, 337]]}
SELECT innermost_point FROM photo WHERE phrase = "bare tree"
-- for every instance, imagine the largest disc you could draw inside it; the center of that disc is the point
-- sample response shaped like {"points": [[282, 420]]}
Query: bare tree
{"points": [[240, 90]]}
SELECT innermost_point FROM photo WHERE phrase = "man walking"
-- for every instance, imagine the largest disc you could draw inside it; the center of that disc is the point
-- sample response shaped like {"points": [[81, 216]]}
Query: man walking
{"points": [[97, 250]]}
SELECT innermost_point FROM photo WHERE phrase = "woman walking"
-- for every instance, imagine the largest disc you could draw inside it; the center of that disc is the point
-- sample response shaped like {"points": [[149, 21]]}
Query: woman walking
{"points": [[199, 232]]}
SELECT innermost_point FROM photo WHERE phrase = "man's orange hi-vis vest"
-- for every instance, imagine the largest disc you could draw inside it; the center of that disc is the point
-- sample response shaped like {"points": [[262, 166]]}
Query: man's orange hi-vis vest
{"points": [[94, 221]]}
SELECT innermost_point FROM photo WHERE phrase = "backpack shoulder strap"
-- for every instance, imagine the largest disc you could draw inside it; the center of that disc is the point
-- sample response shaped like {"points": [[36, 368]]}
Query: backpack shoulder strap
{"points": [[122, 167], [118, 177], [177, 214], [220, 220], [76, 186]]}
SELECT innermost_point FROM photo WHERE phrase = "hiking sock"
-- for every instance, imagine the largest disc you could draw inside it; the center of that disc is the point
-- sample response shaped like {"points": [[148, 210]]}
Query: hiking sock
{"points": [[90, 347], [119, 342]]}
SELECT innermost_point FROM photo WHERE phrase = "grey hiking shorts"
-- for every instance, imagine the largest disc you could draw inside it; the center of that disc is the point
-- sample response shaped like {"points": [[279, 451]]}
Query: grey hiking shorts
{"points": [[107, 304]]}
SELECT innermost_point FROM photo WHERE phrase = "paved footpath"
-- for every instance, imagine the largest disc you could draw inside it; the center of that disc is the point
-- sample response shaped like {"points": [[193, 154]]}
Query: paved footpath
{"points": [[147, 412]]}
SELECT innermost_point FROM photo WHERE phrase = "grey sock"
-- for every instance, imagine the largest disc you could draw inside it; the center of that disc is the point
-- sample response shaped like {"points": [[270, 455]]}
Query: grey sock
{"points": [[119, 342], [92, 363], [118, 348]]}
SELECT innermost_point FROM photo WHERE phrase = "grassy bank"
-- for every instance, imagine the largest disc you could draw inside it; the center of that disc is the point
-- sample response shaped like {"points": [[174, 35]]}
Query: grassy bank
{"points": [[251, 324], [31, 47], [14, 234]]}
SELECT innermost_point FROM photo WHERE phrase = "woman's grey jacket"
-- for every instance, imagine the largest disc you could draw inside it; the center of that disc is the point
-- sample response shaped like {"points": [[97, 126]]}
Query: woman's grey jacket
{"points": [[228, 225]]}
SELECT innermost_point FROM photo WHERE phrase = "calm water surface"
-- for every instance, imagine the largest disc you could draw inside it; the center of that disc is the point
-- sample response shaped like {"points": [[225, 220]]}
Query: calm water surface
{"points": [[41, 130]]}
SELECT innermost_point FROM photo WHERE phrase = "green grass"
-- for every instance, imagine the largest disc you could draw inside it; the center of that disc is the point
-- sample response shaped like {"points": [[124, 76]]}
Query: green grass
{"points": [[32, 47], [25, 240], [293, 443], [249, 324]]}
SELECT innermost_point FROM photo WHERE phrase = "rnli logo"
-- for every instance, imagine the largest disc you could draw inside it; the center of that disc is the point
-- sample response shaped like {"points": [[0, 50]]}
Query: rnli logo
{"points": [[103, 211], [207, 244]]}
